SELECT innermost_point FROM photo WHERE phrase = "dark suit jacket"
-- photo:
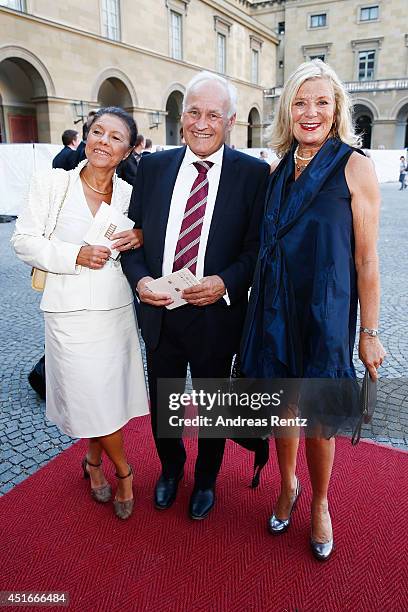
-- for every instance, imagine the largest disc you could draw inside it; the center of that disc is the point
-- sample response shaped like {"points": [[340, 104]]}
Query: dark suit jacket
{"points": [[232, 245], [66, 159], [127, 169]]}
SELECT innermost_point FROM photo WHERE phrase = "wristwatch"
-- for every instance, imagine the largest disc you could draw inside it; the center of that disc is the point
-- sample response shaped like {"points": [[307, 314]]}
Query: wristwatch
{"points": [[371, 332]]}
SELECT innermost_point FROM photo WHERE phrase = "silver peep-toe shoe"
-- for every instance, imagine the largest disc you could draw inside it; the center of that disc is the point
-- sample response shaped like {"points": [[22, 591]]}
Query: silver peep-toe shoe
{"points": [[277, 526]]}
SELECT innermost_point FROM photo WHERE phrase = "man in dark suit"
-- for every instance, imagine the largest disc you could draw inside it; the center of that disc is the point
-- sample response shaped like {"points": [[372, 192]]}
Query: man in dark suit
{"points": [[67, 157], [200, 208], [148, 147]]}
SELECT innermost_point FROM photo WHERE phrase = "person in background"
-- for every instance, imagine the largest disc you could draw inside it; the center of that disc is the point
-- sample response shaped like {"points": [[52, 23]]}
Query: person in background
{"points": [[87, 124], [402, 173], [182, 141], [317, 260], [263, 155], [95, 378], [66, 157], [80, 152], [148, 147], [139, 147]]}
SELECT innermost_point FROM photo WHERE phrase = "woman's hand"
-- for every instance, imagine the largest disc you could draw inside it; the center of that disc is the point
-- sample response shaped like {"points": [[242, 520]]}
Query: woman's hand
{"points": [[371, 353], [130, 239], [94, 257]]}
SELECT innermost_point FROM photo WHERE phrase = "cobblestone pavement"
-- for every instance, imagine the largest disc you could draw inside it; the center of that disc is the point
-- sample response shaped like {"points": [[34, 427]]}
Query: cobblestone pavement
{"points": [[28, 440]]}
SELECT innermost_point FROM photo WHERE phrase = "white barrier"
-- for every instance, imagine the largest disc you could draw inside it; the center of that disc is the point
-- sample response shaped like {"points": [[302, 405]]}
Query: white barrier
{"points": [[386, 162], [19, 161]]}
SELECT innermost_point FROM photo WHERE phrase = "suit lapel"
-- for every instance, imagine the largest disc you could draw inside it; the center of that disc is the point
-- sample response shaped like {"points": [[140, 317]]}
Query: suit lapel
{"points": [[229, 172]]}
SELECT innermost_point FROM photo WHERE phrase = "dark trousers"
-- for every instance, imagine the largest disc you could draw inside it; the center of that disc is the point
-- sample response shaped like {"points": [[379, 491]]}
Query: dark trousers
{"points": [[183, 341]]}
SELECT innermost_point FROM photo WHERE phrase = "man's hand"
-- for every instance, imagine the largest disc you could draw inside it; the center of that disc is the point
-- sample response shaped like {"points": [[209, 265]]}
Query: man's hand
{"points": [[210, 290], [128, 240], [147, 296], [94, 257]]}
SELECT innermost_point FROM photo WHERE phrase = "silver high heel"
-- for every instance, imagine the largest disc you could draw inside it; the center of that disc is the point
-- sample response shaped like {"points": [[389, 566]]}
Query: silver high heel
{"points": [[322, 551], [124, 509], [277, 526], [100, 494]]}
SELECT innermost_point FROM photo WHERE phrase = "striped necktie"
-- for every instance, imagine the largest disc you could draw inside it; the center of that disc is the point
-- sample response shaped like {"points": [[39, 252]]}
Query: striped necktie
{"points": [[189, 238]]}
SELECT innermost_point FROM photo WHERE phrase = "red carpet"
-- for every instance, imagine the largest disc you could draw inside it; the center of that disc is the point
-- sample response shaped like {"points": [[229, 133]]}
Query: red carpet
{"points": [[55, 538]]}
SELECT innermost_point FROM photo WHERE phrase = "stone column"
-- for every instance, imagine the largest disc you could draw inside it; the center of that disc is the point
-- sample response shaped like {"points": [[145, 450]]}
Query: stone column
{"points": [[383, 134]]}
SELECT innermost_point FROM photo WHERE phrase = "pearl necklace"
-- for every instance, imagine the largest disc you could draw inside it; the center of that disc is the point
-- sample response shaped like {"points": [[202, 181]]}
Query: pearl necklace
{"points": [[296, 157], [94, 189]]}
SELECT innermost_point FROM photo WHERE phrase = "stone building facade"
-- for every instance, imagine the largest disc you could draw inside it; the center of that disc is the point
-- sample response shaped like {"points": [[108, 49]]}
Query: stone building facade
{"points": [[60, 59], [366, 42]]}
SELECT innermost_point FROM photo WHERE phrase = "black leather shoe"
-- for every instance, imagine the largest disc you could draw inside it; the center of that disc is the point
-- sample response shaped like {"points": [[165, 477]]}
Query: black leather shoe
{"points": [[201, 502], [322, 551], [165, 491], [277, 526]]}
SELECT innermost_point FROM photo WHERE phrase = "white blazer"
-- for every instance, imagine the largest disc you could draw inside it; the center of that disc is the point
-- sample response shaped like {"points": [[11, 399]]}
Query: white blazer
{"points": [[68, 287]]}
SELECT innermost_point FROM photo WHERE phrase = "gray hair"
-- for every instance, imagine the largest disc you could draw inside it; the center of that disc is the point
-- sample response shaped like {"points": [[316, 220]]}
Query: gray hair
{"points": [[205, 76]]}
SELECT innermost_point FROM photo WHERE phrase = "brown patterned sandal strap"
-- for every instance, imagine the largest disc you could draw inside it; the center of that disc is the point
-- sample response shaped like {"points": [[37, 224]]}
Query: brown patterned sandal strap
{"points": [[93, 464], [127, 475]]}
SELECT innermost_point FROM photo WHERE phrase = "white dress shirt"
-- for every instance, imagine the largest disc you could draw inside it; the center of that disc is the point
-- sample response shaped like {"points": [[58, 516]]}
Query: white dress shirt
{"points": [[185, 179]]}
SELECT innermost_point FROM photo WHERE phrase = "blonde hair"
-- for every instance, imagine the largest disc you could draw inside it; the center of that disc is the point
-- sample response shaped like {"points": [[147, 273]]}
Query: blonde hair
{"points": [[281, 132]]}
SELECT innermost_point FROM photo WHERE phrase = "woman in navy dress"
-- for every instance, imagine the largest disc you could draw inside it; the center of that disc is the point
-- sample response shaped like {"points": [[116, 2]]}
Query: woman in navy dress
{"points": [[318, 259]]}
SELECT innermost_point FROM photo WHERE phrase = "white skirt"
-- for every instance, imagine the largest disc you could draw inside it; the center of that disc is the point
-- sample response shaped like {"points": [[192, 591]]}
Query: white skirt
{"points": [[94, 371]]}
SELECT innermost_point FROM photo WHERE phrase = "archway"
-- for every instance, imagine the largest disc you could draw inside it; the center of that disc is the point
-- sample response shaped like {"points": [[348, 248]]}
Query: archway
{"points": [[2, 130], [174, 108], [24, 109], [364, 124], [401, 130], [254, 137], [113, 92]]}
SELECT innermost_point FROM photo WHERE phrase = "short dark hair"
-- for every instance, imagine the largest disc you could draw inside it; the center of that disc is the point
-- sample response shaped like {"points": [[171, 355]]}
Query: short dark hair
{"points": [[148, 143], [68, 137], [127, 119], [140, 138]]}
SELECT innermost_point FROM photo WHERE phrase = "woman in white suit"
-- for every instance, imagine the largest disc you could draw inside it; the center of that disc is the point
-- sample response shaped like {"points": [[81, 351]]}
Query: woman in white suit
{"points": [[95, 377]]}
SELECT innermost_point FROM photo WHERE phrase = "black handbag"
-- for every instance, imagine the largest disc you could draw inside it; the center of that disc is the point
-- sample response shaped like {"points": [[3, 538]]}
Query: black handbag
{"points": [[259, 446], [368, 400], [36, 377]]}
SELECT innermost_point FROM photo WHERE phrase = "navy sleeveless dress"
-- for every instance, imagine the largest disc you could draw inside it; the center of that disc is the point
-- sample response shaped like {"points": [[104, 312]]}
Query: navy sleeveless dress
{"points": [[301, 320]]}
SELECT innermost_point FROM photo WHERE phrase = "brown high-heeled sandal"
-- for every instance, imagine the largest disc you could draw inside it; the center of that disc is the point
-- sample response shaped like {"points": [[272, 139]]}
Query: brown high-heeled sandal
{"points": [[100, 494], [124, 509]]}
